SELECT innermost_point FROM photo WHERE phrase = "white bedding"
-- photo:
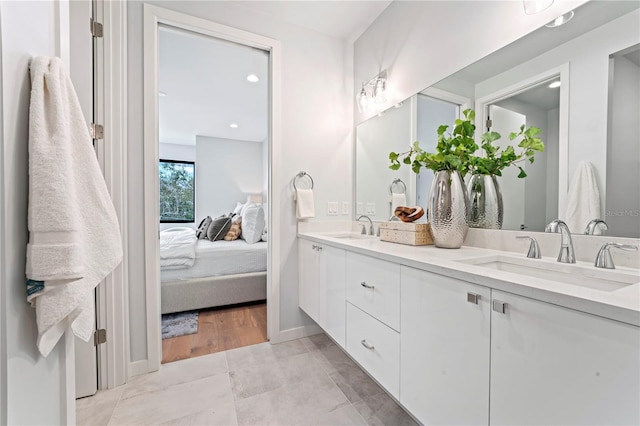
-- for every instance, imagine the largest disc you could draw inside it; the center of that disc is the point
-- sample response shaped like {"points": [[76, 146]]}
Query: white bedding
{"points": [[177, 248], [221, 258]]}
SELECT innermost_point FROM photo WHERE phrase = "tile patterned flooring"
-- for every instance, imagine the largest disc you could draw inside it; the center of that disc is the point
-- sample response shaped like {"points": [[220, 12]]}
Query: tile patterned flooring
{"points": [[302, 382]]}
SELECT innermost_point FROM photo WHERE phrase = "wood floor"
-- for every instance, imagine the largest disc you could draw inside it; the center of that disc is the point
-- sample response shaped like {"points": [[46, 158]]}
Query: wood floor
{"points": [[220, 329]]}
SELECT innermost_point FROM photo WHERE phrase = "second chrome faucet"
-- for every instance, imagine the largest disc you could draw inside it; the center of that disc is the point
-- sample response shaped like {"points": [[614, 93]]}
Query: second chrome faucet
{"points": [[566, 254]]}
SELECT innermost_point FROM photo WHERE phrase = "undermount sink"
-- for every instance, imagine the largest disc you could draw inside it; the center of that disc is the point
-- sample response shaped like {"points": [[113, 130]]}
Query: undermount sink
{"points": [[351, 236], [574, 274]]}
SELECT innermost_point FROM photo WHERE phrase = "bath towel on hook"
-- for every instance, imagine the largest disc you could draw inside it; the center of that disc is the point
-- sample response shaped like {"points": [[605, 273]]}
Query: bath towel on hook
{"points": [[74, 236]]}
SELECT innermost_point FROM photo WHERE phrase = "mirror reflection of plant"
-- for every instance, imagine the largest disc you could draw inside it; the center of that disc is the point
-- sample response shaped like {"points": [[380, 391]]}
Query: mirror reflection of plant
{"points": [[454, 151], [496, 160]]}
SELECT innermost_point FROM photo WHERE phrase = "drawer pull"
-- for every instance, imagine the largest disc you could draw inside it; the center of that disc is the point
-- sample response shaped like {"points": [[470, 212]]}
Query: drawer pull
{"points": [[314, 247], [366, 345], [365, 285], [499, 306], [473, 298]]}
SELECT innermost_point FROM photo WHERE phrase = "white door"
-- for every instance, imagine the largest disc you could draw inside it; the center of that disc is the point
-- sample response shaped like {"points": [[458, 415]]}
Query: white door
{"points": [[81, 72], [555, 366], [444, 349], [505, 122], [308, 277], [333, 270]]}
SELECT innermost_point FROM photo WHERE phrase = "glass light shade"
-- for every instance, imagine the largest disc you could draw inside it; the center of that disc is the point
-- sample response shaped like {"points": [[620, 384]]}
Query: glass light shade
{"points": [[364, 100], [561, 20], [532, 7], [380, 91]]}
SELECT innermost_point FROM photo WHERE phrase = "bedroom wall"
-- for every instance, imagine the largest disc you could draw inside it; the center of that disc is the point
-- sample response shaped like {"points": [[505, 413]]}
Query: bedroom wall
{"points": [[316, 119], [32, 388], [227, 171]]}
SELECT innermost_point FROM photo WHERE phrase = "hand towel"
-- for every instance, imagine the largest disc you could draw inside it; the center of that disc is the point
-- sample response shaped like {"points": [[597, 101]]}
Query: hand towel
{"points": [[74, 236], [304, 204], [583, 198], [397, 200]]}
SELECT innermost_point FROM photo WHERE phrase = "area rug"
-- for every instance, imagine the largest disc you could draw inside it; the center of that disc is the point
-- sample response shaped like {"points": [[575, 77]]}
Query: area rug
{"points": [[179, 324]]}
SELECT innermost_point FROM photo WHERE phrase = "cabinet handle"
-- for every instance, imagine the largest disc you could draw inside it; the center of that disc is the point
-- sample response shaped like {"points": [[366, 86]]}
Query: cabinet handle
{"points": [[473, 298], [499, 306], [314, 247], [365, 285], [319, 248], [366, 345]]}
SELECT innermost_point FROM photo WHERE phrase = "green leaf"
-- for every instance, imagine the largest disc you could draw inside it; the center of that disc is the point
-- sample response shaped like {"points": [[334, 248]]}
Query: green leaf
{"points": [[395, 166], [393, 156], [522, 174], [406, 160]]}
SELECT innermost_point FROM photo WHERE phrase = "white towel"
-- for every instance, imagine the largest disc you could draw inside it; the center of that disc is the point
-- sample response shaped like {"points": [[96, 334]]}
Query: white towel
{"points": [[304, 204], [583, 198], [74, 237], [397, 200]]}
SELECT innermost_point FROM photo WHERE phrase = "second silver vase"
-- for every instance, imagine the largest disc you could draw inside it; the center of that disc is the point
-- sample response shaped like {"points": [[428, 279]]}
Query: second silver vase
{"points": [[485, 202], [448, 209]]}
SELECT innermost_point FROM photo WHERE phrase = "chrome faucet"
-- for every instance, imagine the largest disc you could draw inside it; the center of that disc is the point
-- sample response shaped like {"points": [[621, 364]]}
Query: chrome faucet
{"points": [[364, 232], [591, 227], [604, 259], [394, 217], [566, 254], [534, 248]]}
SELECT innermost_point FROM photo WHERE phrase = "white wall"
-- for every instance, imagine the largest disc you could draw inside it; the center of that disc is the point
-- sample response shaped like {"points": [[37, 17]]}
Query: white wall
{"points": [[32, 387], [317, 91], [420, 43], [227, 171], [176, 151]]}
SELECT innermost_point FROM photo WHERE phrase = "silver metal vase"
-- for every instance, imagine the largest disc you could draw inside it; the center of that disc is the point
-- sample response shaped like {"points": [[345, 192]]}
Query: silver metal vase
{"points": [[485, 202], [448, 209]]}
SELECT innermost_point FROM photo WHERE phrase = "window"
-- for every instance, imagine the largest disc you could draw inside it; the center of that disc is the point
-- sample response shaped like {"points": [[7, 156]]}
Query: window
{"points": [[177, 191]]}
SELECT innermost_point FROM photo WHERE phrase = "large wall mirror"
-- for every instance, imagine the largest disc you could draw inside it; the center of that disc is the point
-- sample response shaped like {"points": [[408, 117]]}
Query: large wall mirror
{"points": [[591, 115]]}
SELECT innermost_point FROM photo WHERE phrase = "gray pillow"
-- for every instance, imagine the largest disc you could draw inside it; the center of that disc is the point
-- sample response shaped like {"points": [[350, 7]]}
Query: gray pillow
{"points": [[201, 232], [218, 228]]}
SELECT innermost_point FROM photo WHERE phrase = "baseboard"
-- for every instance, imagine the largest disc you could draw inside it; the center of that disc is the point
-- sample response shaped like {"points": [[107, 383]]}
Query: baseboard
{"points": [[296, 333], [137, 368]]}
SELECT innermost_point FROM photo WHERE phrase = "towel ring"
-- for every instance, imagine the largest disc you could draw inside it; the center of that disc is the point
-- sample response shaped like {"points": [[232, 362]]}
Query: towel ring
{"points": [[300, 175], [399, 182]]}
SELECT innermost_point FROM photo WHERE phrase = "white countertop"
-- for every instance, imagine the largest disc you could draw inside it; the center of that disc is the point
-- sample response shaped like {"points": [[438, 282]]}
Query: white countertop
{"points": [[620, 305]]}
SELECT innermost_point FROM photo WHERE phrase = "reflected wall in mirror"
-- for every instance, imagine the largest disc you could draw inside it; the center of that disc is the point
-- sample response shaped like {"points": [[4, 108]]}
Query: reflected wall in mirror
{"points": [[581, 51]]}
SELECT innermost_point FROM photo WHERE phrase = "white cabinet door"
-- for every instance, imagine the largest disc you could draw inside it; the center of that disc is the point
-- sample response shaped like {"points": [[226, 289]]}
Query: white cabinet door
{"points": [[552, 365], [332, 316], [445, 343], [309, 278]]}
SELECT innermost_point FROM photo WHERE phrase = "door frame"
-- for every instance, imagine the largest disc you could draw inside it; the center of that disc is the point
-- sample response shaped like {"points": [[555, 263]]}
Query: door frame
{"points": [[153, 17], [482, 112]]}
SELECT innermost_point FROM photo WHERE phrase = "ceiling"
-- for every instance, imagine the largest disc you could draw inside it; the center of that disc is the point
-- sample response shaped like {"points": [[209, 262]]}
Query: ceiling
{"points": [[204, 79]]}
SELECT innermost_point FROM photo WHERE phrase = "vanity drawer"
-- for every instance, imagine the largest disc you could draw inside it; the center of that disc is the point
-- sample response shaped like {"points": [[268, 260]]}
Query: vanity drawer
{"points": [[375, 347], [373, 285]]}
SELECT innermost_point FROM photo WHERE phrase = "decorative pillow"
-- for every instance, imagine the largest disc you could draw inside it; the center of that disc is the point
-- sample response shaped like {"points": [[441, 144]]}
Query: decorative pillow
{"points": [[218, 228], [246, 206], [238, 208], [252, 224], [201, 232], [234, 231]]}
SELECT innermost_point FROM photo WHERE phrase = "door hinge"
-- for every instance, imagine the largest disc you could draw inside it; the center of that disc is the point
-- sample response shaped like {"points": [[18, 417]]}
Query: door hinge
{"points": [[489, 123], [96, 28], [97, 131], [99, 336]]}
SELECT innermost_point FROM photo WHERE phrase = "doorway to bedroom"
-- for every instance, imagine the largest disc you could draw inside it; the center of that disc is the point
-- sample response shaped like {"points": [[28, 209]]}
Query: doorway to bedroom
{"points": [[213, 171]]}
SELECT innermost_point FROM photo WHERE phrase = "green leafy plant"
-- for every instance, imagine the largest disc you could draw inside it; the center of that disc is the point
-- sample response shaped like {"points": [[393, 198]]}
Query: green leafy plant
{"points": [[455, 151], [496, 160]]}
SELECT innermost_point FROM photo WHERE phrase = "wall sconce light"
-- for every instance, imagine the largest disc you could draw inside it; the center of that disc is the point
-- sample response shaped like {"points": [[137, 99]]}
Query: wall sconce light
{"points": [[532, 7], [373, 92]]}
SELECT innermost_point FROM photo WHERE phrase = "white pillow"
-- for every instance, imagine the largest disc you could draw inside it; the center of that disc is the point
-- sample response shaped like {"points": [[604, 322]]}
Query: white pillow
{"points": [[252, 224], [238, 208], [246, 206]]}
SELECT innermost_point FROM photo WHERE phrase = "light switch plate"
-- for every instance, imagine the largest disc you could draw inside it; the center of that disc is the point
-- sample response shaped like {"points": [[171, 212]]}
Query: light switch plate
{"points": [[359, 208], [345, 207], [332, 208], [371, 208]]}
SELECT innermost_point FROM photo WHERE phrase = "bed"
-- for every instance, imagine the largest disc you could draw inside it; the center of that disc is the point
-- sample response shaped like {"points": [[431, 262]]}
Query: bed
{"points": [[198, 273]]}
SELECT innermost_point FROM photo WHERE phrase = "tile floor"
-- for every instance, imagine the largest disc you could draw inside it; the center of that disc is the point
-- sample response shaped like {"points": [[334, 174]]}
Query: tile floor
{"points": [[302, 382]]}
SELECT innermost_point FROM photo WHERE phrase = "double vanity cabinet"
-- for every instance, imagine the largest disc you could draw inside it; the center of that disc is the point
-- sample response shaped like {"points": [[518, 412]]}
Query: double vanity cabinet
{"points": [[453, 351]]}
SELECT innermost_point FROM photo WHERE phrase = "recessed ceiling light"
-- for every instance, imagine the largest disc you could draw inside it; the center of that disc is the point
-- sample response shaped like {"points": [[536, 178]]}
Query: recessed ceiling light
{"points": [[233, 125], [554, 85], [560, 20], [253, 78], [162, 94]]}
